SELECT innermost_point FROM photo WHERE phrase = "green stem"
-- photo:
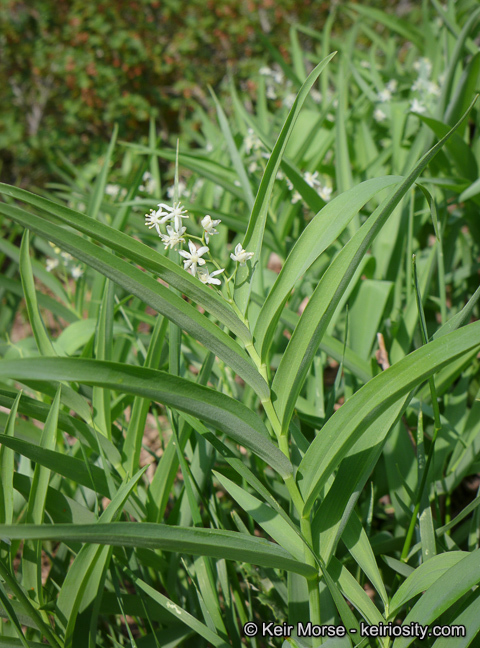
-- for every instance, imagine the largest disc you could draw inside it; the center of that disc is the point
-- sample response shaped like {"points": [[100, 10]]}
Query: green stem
{"points": [[437, 424], [313, 583]]}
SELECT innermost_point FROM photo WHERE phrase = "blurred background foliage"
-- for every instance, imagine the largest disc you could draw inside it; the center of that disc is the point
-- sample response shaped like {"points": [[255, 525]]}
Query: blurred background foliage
{"points": [[71, 69]]}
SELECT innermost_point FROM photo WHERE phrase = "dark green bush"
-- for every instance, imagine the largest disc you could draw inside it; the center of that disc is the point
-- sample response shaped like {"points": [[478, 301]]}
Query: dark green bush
{"points": [[69, 70]]}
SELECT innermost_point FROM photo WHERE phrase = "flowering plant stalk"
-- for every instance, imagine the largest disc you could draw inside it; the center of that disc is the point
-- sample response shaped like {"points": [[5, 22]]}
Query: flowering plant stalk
{"points": [[256, 419]]}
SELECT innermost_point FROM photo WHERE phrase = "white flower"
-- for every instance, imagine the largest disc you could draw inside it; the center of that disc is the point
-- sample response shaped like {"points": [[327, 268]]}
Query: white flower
{"points": [[325, 193], [278, 76], [111, 190], [311, 179], [172, 238], [421, 85], [175, 213], [193, 258], [316, 95], [76, 272], [209, 277], [241, 256], [66, 256], [153, 219], [417, 107], [296, 197], [384, 95], [392, 85], [209, 226], [51, 264], [252, 167], [379, 115], [423, 65]]}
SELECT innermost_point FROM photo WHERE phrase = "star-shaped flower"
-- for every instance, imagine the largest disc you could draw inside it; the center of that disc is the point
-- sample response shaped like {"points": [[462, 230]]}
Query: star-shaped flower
{"points": [[153, 219], [241, 256], [193, 258], [172, 238], [207, 277], [209, 226], [175, 213]]}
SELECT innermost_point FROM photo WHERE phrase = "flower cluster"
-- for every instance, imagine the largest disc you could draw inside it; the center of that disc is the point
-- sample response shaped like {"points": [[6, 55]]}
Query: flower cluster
{"points": [[65, 261], [323, 190], [384, 97], [427, 91], [194, 261]]}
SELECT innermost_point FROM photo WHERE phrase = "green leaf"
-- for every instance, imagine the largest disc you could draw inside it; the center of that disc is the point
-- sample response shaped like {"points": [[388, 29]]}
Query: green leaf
{"points": [[84, 574], [321, 232], [303, 345], [348, 423], [266, 517], [234, 155], [256, 226], [204, 542], [139, 253], [32, 562], [150, 291], [7, 467], [443, 593], [424, 577], [222, 412]]}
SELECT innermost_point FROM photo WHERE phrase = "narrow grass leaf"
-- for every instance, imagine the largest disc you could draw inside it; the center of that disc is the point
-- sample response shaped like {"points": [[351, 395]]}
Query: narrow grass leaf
{"points": [[137, 252], [99, 187], [233, 152], [32, 563], [10, 612], [469, 619], [265, 516], [423, 577], [222, 412], [353, 418], [179, 613], [358, 544], [321, 232], [254, 235], [151, 292], [7, 468], [304, 343], [44, 344], [84, 574], [444, 593], [203, 542]]}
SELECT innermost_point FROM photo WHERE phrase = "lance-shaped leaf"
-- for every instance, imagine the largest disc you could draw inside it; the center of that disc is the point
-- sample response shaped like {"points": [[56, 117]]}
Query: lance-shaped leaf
{"points": [[138, 252], [321, 232], [307, 336], [443, 594], [220, 411], [345, 427], [199, 542], [149, 291], [256, 226]]}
